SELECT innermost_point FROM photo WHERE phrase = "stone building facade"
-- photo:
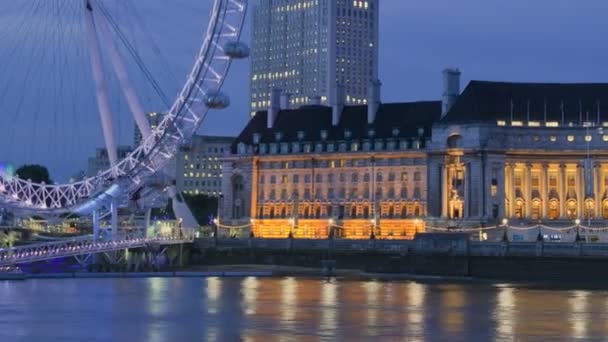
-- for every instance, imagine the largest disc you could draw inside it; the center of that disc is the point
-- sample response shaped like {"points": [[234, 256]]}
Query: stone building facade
{"points": [[527, 153]]}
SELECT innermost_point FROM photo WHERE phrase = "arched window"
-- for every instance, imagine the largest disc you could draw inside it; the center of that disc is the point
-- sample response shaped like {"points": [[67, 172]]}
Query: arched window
{"points": [[318, 212], [271, 215], [403, 211], [353, 212], [391, 212], [366, 212], [283, 212]]}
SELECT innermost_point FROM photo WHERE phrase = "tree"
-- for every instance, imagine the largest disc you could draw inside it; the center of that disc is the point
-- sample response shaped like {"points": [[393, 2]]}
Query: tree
{"points": [[37, 173]]}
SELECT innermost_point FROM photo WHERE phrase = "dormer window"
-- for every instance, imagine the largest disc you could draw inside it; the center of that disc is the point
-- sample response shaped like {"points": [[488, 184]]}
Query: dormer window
{"points": [[396, 132], [301, 135], [256, 138], [323, 134], [347, 134], [371, 133], [278, 136]]}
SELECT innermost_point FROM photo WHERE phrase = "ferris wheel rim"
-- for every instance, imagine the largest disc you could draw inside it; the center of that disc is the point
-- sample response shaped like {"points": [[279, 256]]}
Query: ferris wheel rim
{"points": [[179, 123]]}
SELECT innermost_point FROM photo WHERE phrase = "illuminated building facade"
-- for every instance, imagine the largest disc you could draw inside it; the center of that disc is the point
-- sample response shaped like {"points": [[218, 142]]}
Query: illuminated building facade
{"points": [[199, 166], [524, 152], [305, 46], [351, 171]]}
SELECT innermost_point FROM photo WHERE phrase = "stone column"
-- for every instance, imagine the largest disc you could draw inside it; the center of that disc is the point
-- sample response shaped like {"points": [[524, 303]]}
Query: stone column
{"points": [[501, 184], [467, 188], [255, 178], [528, 190], [545, 191], [597, 189], [444, 191], [580, 190], [512, 190], [562, 191]]}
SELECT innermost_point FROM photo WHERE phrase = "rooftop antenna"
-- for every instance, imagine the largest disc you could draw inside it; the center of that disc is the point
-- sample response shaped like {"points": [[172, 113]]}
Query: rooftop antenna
{"points": [[512, 105], [598, 113], [545, 108], [528, 111]]}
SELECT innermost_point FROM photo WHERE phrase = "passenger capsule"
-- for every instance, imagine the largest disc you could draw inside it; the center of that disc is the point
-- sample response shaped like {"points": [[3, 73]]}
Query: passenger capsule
{"points": [[236, 49], [217, 100]]}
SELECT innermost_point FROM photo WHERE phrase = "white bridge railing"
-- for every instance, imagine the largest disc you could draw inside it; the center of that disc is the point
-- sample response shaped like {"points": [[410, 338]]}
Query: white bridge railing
{"points": [[82, 246]]}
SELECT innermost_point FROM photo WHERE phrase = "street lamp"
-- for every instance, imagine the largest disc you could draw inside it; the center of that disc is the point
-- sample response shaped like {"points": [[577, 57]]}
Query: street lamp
{"points": [[505, 224], [578, 225], [330, 226]]}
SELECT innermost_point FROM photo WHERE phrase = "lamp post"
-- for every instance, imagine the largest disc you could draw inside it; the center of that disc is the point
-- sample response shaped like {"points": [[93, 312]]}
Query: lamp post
{"points": [[505, 224], [292, 223], [578, 225], [330, 226]]}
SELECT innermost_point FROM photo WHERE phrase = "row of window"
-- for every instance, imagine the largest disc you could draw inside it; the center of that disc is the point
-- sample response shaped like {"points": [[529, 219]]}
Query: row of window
{"points": [[342, 194], [330, 178]]}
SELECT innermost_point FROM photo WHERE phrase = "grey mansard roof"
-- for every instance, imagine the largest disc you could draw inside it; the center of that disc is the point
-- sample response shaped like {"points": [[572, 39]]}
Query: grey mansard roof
{"points": [[484, 101], [406, 117]]}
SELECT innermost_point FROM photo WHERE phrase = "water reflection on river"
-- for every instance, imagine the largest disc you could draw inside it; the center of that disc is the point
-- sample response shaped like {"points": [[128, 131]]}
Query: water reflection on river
{"points": [[283, 309]]}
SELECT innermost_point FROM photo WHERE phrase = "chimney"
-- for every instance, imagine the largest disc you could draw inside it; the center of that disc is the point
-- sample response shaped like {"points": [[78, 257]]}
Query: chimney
{"points": [[314, 100], [285, 100], [273, 111], [451, 89], [373, 100], [338, 104]]}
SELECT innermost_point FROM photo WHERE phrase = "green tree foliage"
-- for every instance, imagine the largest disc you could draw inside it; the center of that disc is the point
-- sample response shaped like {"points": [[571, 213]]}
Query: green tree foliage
{"points": [[37, 173]]}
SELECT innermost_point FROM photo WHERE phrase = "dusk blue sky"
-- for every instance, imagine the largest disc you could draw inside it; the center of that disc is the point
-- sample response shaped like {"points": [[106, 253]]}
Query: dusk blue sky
{"points": [[515, 40]]}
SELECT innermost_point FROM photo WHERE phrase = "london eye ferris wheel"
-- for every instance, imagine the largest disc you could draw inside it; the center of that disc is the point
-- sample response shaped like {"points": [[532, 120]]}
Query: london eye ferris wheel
{"points": [[98, 63]]}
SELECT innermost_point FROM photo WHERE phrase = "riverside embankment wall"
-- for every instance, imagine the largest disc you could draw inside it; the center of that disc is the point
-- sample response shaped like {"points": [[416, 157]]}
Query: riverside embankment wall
{"points": [[432, 254]]}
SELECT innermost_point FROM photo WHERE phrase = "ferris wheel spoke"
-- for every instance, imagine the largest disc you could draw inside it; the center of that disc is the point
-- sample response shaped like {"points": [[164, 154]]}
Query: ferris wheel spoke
{"points": [[121, 71], [103, 101]]}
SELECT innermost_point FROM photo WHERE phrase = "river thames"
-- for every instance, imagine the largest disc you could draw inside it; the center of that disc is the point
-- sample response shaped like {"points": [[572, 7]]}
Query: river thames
{"points": [[299, 309]]}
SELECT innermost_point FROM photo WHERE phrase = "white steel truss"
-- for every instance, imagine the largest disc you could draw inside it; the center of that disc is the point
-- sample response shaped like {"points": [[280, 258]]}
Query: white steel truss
{"points": [[179, 123]]}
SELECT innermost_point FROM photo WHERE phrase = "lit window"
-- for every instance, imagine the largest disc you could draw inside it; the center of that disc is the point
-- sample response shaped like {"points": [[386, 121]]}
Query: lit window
{"points": [[501, 123], [534, 124], [553, 138], [571, 138], [605, 137], [536, 138], [588, 138], [517, 123], [552, 124]]}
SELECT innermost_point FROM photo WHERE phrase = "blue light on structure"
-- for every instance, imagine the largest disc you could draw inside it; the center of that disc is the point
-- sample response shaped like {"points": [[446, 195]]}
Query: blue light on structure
{"points": [[7, 170]]}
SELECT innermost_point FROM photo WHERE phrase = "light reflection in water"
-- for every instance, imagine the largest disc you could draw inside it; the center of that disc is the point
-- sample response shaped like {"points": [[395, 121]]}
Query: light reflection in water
{"points": [[579, 315], [504, 312], [214, 290], [329, 307], [157, 306], [289, 302], [452, 302], [416, 295], [371, 296], [249, 289], [272, 309]]}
